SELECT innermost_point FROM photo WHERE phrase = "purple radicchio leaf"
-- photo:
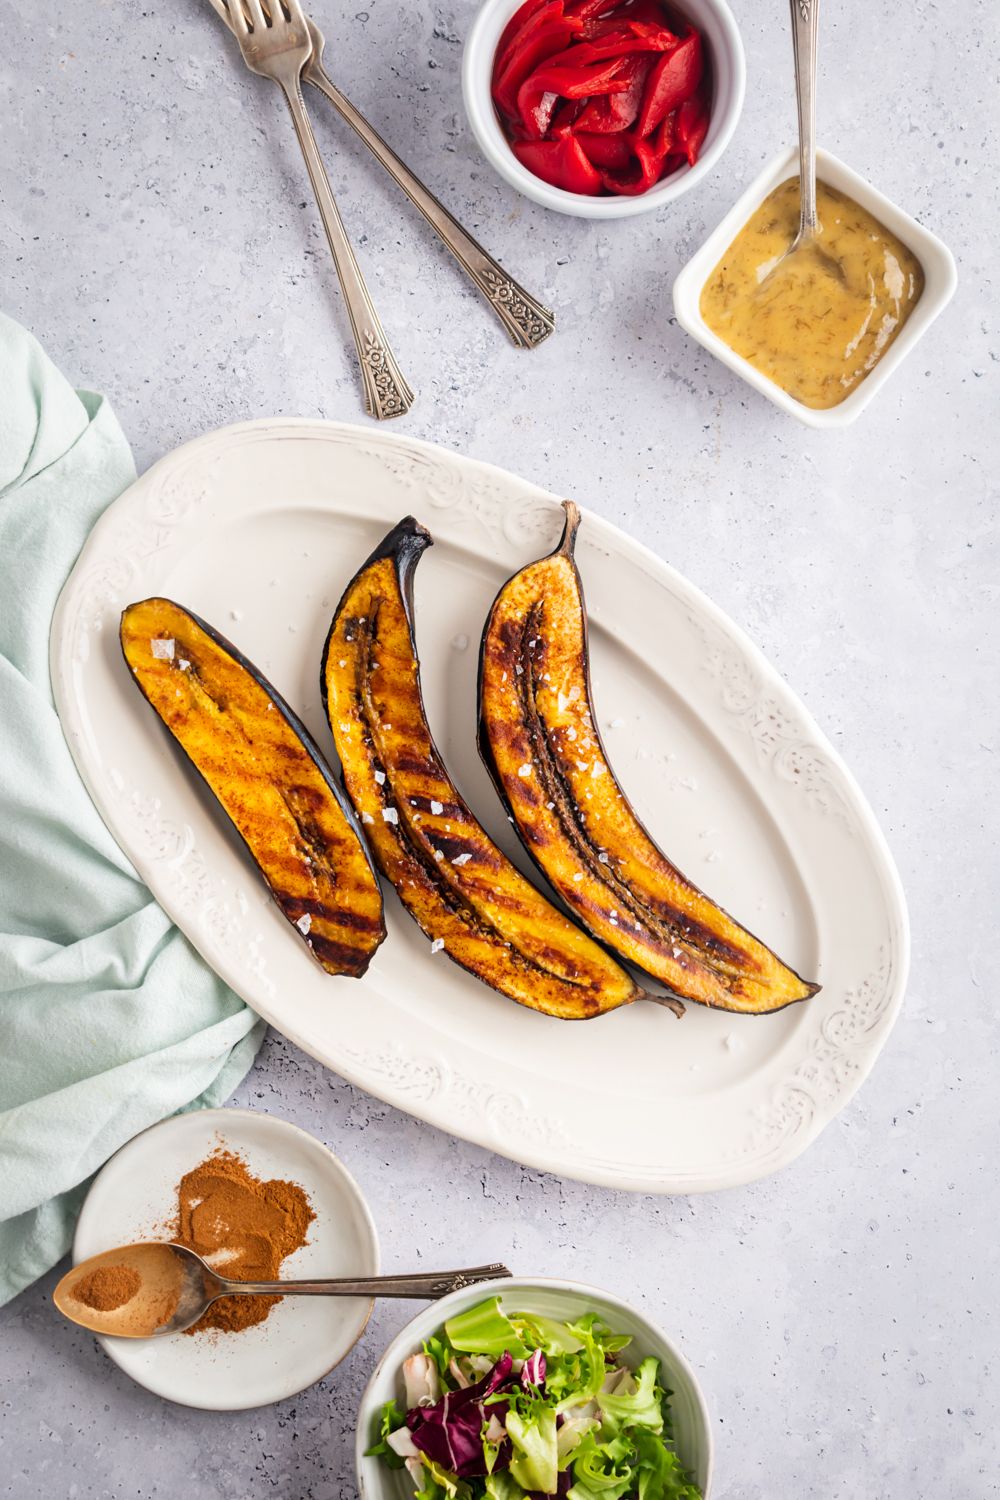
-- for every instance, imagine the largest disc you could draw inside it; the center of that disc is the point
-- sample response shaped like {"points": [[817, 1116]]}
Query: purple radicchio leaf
{"points": [[450, 1431], [533, 1370]]}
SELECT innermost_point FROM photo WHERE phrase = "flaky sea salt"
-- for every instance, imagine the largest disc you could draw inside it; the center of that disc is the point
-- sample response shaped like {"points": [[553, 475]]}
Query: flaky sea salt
{"points": [[577, 877], [163, 650], [437, 945], [524, 770], [380, 777], [439, 854], [461, 859], [390, 815], [367, 818], [184, 664], [304, 923], [436, 807]]}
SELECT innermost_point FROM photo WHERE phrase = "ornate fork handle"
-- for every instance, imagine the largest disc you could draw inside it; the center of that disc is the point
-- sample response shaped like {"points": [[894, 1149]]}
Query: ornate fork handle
{"points": [[526, 320], [387, 393]]}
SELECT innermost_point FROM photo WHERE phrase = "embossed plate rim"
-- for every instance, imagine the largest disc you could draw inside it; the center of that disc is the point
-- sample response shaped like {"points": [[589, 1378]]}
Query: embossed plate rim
{"points": [[449, 1087]]}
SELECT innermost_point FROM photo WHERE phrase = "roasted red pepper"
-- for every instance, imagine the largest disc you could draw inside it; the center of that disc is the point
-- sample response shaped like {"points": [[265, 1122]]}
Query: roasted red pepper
{"points": [[692, 127], [612, 112], [674, 78], [548, 39], [540, 92], [600, 95], [563, 163]]}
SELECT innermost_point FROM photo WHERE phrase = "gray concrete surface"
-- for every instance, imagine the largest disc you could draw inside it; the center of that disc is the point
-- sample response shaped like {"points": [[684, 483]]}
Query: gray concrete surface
{"points": [[842, 1314]]}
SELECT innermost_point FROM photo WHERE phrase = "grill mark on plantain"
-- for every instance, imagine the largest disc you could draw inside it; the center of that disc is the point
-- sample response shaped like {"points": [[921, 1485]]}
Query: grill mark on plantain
{"points": [[700, 942], [452, 897]]}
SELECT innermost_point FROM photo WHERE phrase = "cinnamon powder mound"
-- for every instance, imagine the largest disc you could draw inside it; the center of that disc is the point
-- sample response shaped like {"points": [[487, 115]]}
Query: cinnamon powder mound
{"points": [[244, 1227], [107, 1287]]}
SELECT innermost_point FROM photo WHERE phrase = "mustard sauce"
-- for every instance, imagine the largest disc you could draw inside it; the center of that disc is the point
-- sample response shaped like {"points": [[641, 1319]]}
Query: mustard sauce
{"points": [[818, 321]]}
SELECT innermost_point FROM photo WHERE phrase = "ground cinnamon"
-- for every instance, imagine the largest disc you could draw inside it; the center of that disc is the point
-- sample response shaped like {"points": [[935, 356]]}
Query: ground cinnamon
{"points": [[244, 1227], [107, 1287]]}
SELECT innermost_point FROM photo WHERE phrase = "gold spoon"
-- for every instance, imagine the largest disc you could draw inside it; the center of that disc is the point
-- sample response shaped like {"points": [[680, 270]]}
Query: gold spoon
{"points": [[165, 1288]]}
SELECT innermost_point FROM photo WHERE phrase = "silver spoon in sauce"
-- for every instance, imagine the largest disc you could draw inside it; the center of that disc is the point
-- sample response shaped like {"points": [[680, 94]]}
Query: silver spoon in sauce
{"points": [[149, 1290], [805, 35]]}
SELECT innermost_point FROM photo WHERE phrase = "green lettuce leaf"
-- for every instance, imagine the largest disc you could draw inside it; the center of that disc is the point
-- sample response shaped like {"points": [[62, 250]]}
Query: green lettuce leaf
{"points": [[532, 1432], [440, 1482], [547, 1334], [574, 1379], [641, 1408], [602, 1470], [441, 1353], [503, 1486], [660, 1472], [485, 1329], [390, 1418]]}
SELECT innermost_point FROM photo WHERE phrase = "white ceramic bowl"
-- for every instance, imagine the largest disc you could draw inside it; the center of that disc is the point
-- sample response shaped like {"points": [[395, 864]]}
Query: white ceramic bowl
{"points": [[556, 1299], [714, 20], [940, 280]]}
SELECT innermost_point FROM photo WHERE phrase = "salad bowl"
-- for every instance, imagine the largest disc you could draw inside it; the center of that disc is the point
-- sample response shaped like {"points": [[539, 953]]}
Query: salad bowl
{"points": [[565, 1301]]}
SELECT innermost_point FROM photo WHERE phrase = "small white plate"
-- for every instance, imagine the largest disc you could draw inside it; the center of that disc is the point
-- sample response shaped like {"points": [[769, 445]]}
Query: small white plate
{"points": [[566, 1300], [940, 281], [304, 1337]]}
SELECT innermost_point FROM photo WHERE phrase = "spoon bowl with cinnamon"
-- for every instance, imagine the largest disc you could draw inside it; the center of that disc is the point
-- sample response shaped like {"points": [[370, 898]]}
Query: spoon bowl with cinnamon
{"points": [[152, 1289]]}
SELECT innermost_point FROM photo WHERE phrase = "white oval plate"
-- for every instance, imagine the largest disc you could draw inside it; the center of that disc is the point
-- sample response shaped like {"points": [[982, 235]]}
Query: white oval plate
{"points": [[258, 528], [303, 1338]]}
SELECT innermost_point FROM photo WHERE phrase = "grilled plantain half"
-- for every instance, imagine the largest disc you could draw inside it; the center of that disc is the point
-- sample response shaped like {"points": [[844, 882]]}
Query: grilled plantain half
{"points": [[453, 880], [539, 739], [268, 775]]}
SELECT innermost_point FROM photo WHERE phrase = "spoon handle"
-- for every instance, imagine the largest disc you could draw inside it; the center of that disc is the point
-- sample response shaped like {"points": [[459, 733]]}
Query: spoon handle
{"points": [[429, 1284], [805, 30]]}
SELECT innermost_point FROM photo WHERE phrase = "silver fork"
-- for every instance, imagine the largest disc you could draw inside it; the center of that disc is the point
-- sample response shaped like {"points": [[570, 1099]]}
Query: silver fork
{"points": [[277, 46], [526, 319]]}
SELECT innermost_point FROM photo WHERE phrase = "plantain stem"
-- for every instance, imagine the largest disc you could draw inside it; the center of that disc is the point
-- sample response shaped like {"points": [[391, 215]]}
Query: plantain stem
{"points": [[669, 1001], [570, 529]]}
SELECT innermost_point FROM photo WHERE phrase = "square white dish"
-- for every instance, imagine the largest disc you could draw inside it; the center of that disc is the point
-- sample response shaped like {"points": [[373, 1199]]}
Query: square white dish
{"points": [[940, 281]]}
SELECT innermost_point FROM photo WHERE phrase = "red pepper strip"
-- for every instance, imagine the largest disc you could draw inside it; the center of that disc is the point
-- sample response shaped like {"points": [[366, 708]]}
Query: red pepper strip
{"points": [[622, 44], [561, 162], [674, 78], [594, 31], [611, 112], [643, 10], [547, 40], [508, 46], [564, 118], [513, 26], [692, 127], [606, 150], [650, 156], [537, 96]]}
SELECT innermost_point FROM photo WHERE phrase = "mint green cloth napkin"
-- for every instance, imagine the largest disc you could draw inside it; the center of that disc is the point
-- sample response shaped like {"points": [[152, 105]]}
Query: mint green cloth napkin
{"points": [[109, 1020]]}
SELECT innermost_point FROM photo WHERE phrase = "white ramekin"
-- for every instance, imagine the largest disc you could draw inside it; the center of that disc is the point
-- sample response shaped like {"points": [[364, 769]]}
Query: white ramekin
{"points": [[940, 280], [714, 20]]}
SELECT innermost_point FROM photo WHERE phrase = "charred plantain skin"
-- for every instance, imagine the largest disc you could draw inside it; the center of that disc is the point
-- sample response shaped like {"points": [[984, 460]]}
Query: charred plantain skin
{"points": [[266, 771], [460, 889], [539, 738]]}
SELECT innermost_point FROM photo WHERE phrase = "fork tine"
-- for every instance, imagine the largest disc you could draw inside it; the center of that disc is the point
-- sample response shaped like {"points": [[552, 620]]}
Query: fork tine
{"points": [[257, 18], [237, 17]]}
